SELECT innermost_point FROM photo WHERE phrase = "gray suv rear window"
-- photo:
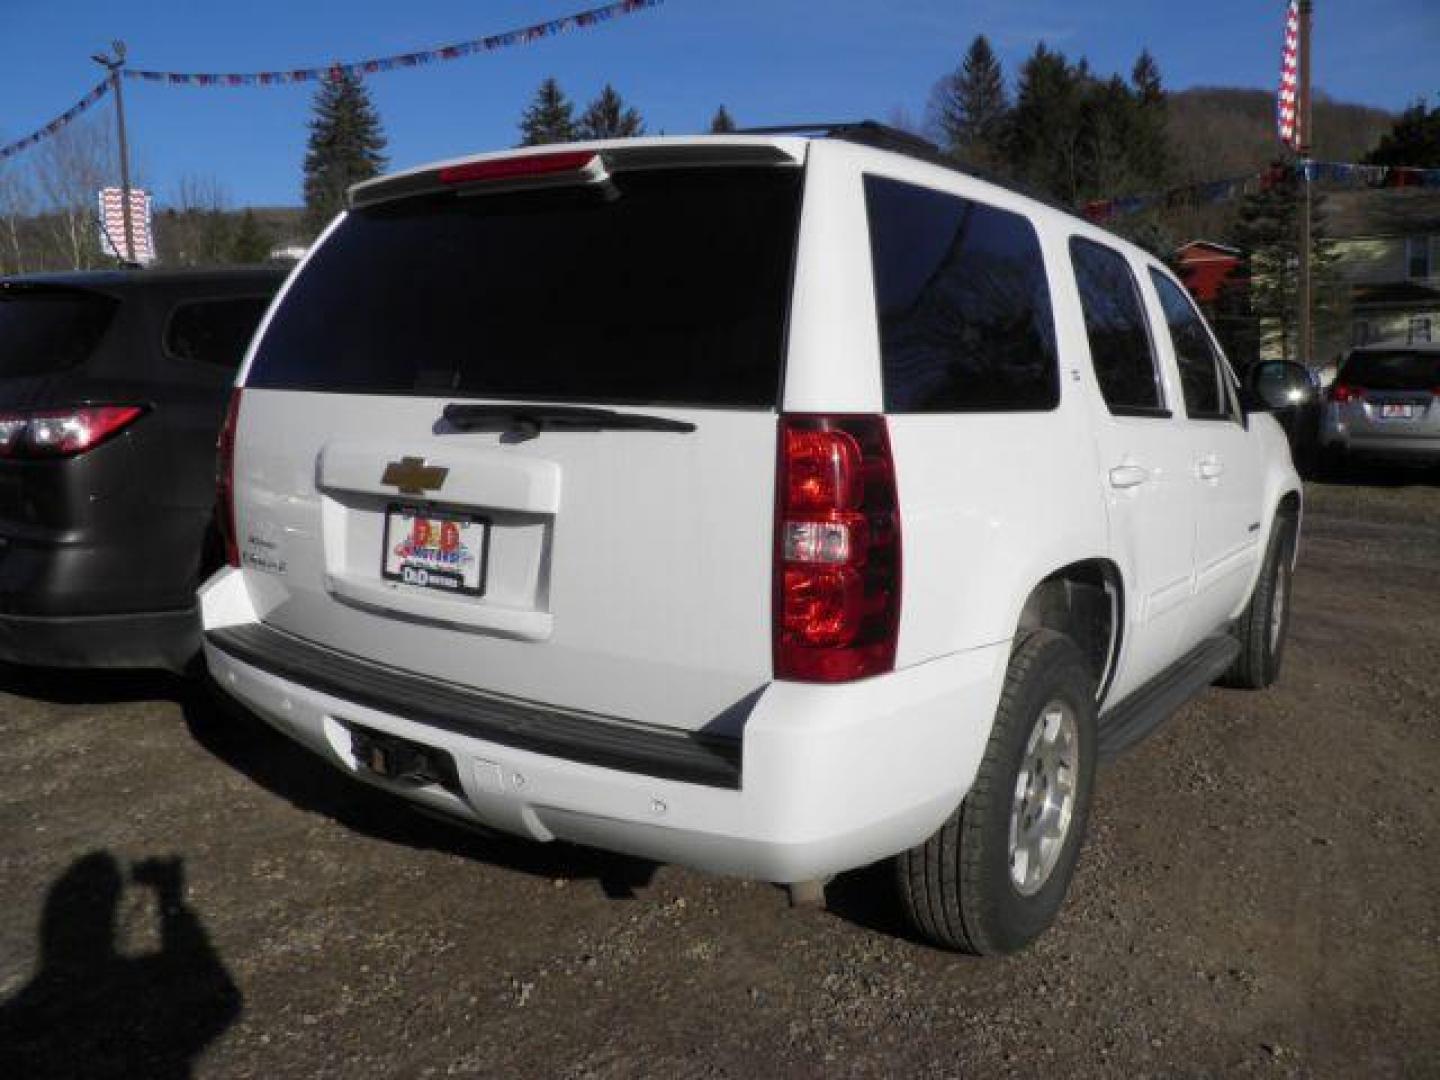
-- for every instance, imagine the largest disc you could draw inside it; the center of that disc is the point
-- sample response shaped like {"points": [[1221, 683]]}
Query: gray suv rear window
{"points": [[1399, 370], [671, 288], [963, 303], [45, 329]]}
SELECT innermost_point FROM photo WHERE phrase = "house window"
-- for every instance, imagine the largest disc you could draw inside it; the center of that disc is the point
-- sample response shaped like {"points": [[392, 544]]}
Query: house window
{"points": [[1417, 256], [1360, 333], [1419, 330]]}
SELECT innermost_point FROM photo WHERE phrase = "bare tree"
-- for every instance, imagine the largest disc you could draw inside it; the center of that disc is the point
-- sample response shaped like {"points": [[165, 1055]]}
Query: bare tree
{"points": [[195, 229], [69, 169], [900, 118], [17, 206]]}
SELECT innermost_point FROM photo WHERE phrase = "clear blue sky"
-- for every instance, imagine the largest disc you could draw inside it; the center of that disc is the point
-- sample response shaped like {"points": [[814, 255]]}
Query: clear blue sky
{"points": [[769, 62]]}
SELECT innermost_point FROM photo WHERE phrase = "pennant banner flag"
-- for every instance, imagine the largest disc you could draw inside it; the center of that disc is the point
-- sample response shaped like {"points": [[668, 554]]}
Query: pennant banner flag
{"points": [[523, 36], [97, 92], [1217, 191]]}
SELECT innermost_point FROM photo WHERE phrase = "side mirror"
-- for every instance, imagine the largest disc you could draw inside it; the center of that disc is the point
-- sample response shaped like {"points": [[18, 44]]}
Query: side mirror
{"points": [[1277, 386], [1251, 402]]}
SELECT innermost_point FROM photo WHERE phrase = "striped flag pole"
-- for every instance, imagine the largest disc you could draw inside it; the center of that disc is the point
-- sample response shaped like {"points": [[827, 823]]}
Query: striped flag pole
{"points": [[1303, 143]]}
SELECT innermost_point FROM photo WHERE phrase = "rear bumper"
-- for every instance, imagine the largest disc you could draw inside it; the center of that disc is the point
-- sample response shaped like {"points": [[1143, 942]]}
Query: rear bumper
{"points": [[830, 777], [165, 639], [1367, 443]]}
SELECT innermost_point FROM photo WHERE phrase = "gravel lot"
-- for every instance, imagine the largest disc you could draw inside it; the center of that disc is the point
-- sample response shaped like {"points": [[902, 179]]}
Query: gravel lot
{"points": [[1258, 895]]}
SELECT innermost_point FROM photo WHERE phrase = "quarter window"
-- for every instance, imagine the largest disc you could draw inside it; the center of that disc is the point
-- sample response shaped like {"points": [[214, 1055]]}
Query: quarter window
{"points": [[1115, 326], [1194, 354], [962, 301], [214, 332]]}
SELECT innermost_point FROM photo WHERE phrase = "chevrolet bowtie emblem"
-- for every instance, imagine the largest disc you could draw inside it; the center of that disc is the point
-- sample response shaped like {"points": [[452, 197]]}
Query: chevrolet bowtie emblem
{"points": [[413, 477]]}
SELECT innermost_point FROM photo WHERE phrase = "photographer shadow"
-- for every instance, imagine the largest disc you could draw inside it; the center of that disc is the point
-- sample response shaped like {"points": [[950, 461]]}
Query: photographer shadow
{"points": [[91, 1010]]}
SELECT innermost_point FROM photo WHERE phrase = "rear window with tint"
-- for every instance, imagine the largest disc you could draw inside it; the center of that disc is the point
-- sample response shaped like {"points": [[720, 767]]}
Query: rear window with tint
{"points": [[671, 289], [963, 303], [214, 331], [43, 329], [1399, 370]]}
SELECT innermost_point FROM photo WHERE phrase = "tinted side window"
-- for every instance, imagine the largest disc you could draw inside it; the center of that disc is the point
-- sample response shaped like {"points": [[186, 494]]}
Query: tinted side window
{"points": [[214, 331], [963, 303], [1116, 328], [1199, 366], [45, 329]]}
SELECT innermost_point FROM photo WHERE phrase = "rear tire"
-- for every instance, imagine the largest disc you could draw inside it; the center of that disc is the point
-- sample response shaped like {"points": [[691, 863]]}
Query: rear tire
{"points": [[1262, 629], [995, 874]]}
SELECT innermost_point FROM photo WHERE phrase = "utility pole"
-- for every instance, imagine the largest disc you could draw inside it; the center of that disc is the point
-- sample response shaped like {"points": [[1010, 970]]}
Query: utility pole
{"points": [[114, 64], [1306, 344]]}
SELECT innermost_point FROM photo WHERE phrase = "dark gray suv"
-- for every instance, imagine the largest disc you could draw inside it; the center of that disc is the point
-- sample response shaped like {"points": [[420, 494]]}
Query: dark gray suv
{"points": [[113, 387]]}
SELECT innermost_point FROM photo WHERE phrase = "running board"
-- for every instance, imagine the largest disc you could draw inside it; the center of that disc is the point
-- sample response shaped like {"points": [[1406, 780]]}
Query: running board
{"points": [[1150, 706]]}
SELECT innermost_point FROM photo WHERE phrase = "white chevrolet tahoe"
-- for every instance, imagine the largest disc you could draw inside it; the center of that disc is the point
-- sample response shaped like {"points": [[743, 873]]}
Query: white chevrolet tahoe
{"points": [[766, 504]]}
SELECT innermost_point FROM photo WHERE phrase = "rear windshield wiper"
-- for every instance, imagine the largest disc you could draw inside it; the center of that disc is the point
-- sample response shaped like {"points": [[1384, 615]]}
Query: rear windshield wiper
{"points": [[533, 419]]}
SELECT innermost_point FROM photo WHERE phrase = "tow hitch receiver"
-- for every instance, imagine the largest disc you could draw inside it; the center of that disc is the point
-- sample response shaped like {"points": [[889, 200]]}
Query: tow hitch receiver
{"points": [[401, 760]]}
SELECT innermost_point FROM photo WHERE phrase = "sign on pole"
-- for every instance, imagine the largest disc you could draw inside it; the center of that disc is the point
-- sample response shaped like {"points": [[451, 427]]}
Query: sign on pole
{"points": [[112, 225]]}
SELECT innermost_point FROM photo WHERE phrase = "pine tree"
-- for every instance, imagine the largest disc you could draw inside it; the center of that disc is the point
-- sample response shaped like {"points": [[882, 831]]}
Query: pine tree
{"points": [[1414, 140], [1145, 77], [251, 242], [346, 146], [1043, 138], [607, 117], [1105, 159], [722, 122], [1075, 136], [1149, 149], [550, 118], [1267, 232], [970, 106]]}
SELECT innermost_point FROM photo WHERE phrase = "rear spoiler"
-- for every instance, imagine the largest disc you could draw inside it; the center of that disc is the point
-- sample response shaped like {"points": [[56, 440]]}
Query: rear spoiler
{"points": [[571, 167]]}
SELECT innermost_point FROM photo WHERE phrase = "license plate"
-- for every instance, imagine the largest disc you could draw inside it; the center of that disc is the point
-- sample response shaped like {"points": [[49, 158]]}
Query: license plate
{"points": [[435, 549], [1396, 412]]}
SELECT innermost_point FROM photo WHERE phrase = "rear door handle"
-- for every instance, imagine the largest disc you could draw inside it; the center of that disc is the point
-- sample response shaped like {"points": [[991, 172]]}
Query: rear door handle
{"points": [[1128, 476], [1210, 468]]}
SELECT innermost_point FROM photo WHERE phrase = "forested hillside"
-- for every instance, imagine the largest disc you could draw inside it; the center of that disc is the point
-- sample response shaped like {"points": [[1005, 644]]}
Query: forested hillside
{"points": [[1222, 131]]}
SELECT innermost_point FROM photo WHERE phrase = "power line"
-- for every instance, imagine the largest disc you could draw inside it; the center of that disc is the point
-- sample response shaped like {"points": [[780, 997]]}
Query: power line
{"points": [[527, 35]]}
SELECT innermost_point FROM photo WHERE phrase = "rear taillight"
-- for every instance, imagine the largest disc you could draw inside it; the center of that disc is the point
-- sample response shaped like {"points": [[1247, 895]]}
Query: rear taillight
{"points": [[62, 433], [837, 558], [1341, 393], [225, 480]]}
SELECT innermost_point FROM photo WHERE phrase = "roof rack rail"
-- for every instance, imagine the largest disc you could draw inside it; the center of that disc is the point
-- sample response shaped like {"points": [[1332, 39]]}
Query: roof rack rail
{"points": [[867, 132], [884, 137]]}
